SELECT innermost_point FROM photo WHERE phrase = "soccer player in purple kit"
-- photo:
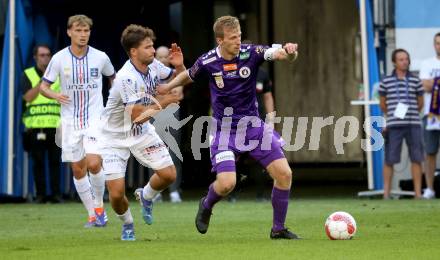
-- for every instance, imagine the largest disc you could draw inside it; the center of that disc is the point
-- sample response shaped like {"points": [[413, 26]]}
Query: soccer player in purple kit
{"points": [[232, 70]]}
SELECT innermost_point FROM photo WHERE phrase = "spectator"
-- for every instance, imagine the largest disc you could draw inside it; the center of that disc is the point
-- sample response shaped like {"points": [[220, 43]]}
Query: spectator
{"points": [[430, 69], [401, 99], [41, 118]]}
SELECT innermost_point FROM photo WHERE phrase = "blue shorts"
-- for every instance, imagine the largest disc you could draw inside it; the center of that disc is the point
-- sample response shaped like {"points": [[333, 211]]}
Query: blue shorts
{"points": [[431, 139], [393, 143]]}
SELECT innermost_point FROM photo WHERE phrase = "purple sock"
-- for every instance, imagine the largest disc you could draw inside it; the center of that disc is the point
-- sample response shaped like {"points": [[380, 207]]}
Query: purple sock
{"points": [[211, 198], [280, 201]]}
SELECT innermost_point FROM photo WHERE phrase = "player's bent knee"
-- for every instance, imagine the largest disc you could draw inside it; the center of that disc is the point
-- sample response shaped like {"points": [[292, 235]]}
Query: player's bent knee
{"points": [[78, 172], [226, 186], [284, 177], [168, 174], [94, 166], [116, 194]]}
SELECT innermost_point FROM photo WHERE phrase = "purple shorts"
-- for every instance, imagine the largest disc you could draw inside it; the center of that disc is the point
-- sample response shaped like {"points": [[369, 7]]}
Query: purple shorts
{"points": [[262, 143]]}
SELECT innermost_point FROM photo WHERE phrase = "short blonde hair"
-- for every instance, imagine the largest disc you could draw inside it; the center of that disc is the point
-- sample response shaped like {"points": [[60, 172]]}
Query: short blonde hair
{"points": [[225, 22], [80, 19]]}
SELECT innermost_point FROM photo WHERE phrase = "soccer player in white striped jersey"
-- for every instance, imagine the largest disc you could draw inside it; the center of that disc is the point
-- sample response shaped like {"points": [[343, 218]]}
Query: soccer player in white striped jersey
{"points": [[131, 103], [80, 68]]}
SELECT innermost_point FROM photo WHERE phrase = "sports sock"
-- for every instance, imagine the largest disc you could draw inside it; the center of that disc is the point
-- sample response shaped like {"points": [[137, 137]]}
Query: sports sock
{"points": [[98, 184], [211, 198], [280, 202], [126, 218], [85, 193], [149, 193]]}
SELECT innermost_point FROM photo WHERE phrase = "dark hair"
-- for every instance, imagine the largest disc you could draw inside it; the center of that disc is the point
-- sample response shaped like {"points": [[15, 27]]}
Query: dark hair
{"points": [[133, 35], [395, 52], [42, 45], [437, 35]]}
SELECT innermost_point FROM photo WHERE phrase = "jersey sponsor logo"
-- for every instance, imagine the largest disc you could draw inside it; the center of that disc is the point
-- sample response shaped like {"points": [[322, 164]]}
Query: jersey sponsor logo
{"points": [[259, 49], [94, 72], [219, 81], [231, 74], [224, 156], [209, 60], [244, 55], [82, 86], [217, 73], [154, 148], [230, 66], [244, 72]]}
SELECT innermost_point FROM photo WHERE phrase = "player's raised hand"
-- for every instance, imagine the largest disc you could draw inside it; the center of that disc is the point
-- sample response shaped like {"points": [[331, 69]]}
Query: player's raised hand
{"points": [[62, 99], [176, 55], [290, 48]]}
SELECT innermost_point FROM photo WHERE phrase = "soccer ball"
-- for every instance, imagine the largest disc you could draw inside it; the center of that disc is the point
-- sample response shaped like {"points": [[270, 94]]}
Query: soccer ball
{"points": [[340, 226]]}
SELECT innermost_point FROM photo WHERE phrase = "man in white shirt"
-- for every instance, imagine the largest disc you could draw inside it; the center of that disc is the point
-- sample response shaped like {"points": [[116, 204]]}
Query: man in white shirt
{"points": [[430, 69], [80, 68], [132, 102]]}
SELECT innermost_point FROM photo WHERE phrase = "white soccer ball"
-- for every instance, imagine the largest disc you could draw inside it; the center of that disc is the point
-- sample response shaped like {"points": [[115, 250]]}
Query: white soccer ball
{"points": [[340, 226]]}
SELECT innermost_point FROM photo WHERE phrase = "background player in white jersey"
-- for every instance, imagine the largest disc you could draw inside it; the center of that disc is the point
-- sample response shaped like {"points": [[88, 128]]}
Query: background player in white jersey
{"points": [[80, 68], [126, 129]]}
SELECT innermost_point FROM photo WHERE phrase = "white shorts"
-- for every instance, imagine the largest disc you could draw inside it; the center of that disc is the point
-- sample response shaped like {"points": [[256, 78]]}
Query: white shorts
{"points": [[148, 149], [75, 144]]}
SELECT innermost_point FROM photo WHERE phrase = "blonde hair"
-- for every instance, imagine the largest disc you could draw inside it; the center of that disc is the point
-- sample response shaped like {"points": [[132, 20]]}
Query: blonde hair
{"points": [[80, 19], [225, 22]]}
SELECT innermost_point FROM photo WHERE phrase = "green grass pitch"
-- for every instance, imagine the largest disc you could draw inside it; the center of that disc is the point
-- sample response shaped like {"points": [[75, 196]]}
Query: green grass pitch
{"points": [[403, 229]]}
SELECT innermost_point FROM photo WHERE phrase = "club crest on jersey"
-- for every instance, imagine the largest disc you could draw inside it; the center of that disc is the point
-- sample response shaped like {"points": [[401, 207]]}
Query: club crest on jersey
{"points": [[219, 81], [244, 72], [94, 72], [230, 66], [67, 72]]}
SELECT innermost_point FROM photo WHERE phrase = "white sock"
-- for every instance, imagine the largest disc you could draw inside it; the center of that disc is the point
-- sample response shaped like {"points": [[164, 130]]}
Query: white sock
{"points": [[127, 218], [85, 193], [149, 193], [98, 184]]}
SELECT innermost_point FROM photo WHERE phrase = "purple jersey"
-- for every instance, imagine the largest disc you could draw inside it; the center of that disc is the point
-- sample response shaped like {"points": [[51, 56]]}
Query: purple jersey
{"points": [[232, 82]]}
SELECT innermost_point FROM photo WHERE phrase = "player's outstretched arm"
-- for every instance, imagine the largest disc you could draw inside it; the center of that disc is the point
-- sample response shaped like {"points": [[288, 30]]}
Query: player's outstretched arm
{"points": [[141, 114], [288, 52], [46, 91], [180, 80]]}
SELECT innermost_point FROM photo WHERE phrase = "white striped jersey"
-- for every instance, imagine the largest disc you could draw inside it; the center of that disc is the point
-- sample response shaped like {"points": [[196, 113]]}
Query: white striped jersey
{"points": [[405, 91], [81, 80], [131, 86]]}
